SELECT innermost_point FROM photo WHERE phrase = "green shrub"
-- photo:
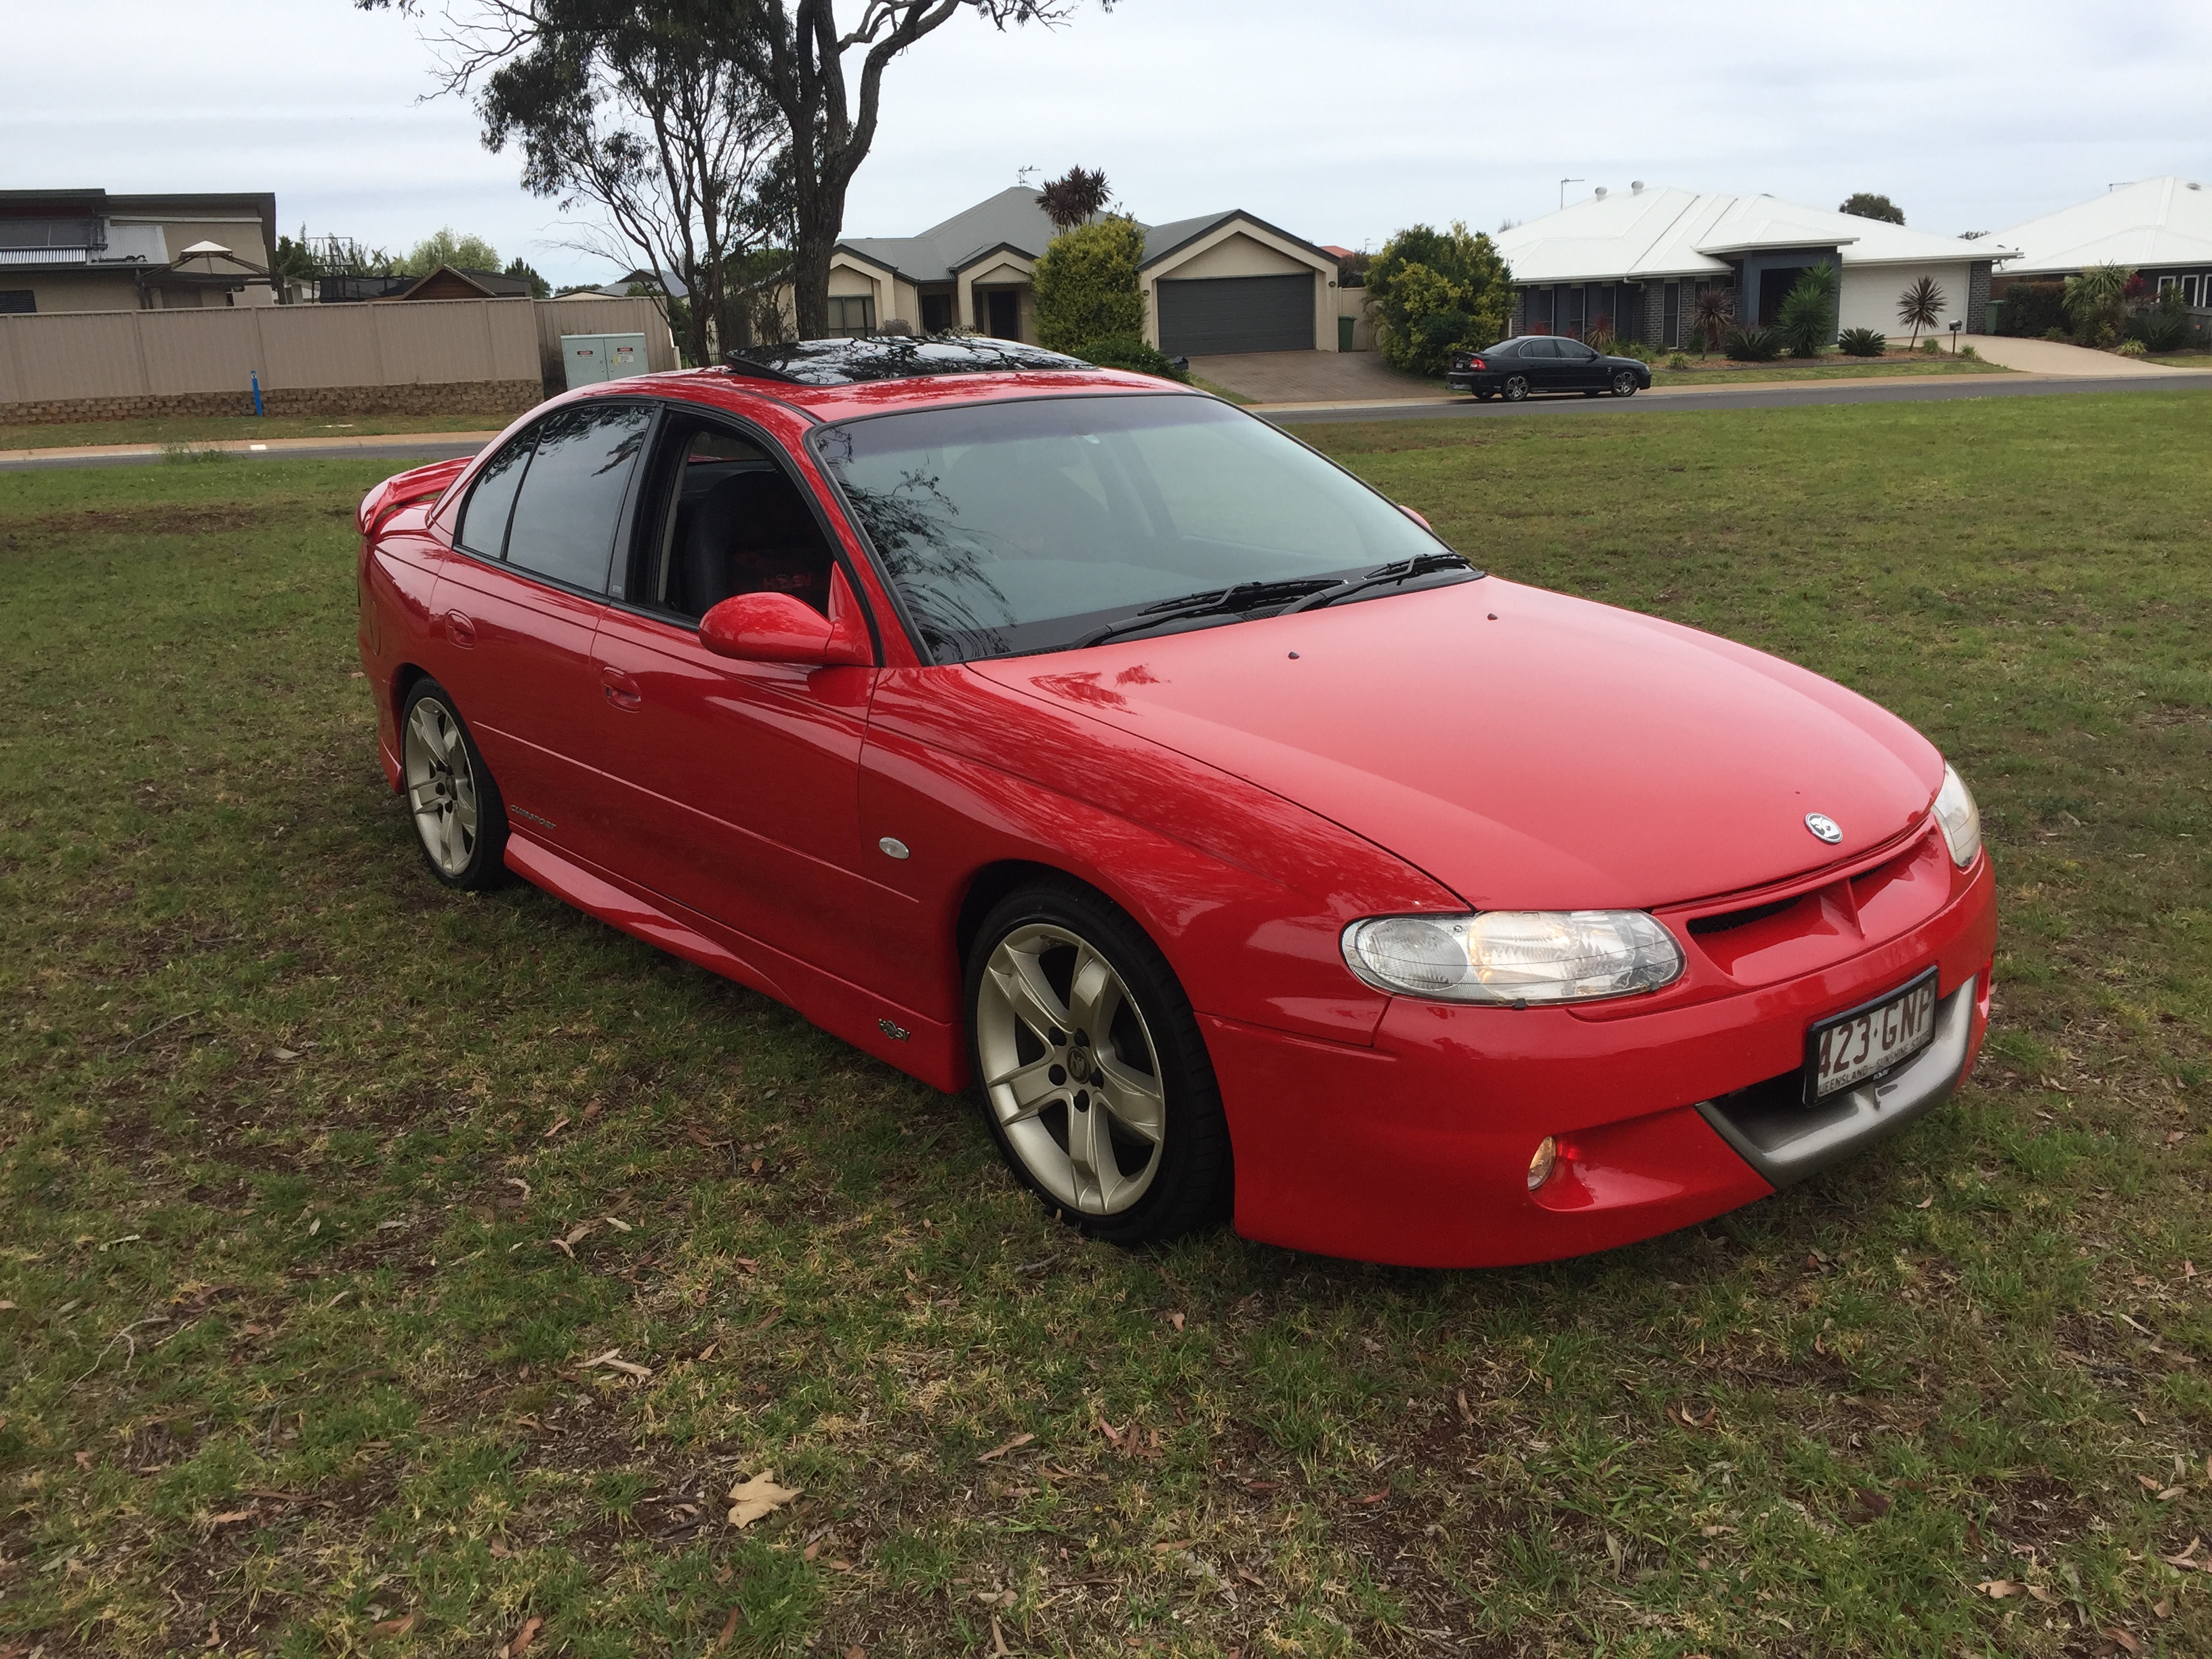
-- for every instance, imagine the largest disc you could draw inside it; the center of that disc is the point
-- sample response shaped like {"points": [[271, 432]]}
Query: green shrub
{"points": [[1931, 347], [2059, 336], [2032, 310], [1807, 317], [1435, 292], [1863, 342], [1968, 351], [1752, 345], [1679, 360], [1130, 351], [2134, 348], [1086, 287], [2161, 330]]}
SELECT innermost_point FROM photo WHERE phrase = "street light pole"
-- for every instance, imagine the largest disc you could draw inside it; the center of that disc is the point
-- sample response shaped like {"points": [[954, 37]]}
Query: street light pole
{"points": [[1563, 183]]}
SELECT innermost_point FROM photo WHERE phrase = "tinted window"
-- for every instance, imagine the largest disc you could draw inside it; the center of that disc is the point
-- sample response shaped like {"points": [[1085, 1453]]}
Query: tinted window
{"points": [[1022, 526], [735, 523], [1575, 351], [484, 520], [1509, 349], [572, 496], [1539, 349]]}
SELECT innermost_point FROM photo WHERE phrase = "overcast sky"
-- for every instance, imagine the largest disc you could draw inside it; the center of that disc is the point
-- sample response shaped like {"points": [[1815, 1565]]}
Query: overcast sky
{"points": [[1339, 121]]}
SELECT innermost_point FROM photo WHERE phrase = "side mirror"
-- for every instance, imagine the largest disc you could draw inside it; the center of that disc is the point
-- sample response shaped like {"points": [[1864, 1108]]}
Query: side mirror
{"points": [[783, 628]]}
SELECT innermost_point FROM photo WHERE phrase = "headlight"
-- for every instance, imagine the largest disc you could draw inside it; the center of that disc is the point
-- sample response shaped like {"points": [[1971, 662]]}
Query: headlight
{"points": [[1514, 956], [1961, 818]]}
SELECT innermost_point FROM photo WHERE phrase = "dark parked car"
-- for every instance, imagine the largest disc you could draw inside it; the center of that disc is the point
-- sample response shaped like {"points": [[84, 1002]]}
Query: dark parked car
{"points": [[1544, 362]]}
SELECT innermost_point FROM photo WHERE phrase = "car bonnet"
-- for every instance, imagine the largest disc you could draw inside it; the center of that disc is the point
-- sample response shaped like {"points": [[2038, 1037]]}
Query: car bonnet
{"points": [[1525, 749]]}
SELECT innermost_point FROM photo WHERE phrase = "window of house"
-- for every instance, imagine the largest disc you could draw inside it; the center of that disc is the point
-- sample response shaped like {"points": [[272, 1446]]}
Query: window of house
{"points": [[1572, 322], [571, 501], [2190, 290], [936, 313], [731, 522], [1671, 321], [852, 315], [19, 301]]}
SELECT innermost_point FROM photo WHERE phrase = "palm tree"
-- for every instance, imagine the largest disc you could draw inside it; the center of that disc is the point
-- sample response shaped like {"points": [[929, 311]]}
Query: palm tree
{"points": [[2093, 299], [1711, 312], [1075, 197], [1921, 306]]}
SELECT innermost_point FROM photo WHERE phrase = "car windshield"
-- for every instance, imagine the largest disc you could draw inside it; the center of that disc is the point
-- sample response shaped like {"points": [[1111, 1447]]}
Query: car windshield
{"points": [[1034, 526]]}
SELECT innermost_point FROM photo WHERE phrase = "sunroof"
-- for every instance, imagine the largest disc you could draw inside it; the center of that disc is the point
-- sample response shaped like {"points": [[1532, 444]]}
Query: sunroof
{"points": [[891, 357]]}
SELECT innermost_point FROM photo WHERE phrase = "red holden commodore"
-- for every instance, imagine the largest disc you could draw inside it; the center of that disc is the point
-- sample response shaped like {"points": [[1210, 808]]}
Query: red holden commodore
{"points": [[1082, 740]]}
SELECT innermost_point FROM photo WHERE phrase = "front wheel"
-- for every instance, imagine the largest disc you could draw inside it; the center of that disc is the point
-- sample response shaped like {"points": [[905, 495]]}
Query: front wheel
{"points": [[456, 806], [1095, 1078], [1623, 384], [1516, 388]]}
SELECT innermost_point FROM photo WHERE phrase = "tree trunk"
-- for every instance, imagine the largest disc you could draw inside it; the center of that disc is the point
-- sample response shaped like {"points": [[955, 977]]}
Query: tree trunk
{"points": [[809, 265]]}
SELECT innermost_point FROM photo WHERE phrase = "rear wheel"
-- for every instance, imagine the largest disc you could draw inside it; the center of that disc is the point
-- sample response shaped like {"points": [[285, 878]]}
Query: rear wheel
{"points": [[1516, 388], [1095, 1078], [458, 812], [1623, 384]]}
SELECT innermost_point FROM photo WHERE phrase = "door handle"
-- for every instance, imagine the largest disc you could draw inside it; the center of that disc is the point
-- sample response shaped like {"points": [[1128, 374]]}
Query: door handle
{"points": [[459, 629], [621, 689]]}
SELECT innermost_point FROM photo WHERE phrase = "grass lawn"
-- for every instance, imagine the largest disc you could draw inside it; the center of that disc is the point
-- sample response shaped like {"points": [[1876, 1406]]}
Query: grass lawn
{"points": [[323, 1183], [206, 428], [1718, 370], [2183, 359]]}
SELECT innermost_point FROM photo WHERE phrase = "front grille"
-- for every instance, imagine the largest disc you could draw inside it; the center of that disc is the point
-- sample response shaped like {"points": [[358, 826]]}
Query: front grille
{"points": [[1729, 920]]}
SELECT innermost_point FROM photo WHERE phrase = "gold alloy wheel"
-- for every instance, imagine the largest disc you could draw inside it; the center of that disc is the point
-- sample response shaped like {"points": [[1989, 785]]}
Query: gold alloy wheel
{"points": [[1071, 1070], [442, 785]]}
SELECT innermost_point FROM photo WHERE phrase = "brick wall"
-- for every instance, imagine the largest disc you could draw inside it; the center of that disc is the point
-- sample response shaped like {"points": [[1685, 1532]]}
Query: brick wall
{"points": [[1978, 296], [501, 399]]}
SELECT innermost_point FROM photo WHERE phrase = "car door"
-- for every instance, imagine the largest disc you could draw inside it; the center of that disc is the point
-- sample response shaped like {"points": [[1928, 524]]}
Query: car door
{"points": [[734, 785], [517, 606], [1580, 367], [1539, 359]]}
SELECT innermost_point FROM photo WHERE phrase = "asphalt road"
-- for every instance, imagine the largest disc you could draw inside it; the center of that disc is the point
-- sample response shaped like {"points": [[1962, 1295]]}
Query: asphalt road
{"points": [[1811, 392], [1775, 396]]}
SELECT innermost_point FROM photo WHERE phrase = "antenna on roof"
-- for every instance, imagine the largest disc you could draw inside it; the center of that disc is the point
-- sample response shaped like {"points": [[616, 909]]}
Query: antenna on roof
{"points": [[1563, 183], [1022, 175]]}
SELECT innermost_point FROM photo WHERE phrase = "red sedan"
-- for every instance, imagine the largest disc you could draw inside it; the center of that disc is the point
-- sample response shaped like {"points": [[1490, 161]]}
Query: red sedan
{"points": [[1084, 740]]}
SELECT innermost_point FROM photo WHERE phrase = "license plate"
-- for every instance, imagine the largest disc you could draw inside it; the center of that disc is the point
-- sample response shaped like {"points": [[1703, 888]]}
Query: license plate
{"points": [[1866, 1041]]}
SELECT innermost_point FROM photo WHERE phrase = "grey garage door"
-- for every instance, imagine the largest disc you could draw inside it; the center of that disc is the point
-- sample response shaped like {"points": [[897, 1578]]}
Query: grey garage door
{"points": [[1202, 315]]}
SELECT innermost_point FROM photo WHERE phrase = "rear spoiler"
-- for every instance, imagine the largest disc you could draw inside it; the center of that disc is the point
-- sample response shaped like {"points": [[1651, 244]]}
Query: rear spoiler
{"points": [[407, 489]]}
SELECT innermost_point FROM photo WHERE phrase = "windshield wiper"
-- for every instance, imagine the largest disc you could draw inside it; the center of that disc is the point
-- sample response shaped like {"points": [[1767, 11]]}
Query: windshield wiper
{"points": [[1421, 564], [1229, 601]]}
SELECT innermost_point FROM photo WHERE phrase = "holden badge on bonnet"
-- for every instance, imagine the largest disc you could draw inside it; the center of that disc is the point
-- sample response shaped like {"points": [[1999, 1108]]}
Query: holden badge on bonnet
{"points": [[1825, 827]]}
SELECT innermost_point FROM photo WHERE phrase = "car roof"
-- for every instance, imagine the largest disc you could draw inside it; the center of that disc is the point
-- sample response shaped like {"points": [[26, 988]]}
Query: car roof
{"points": [[744, 392]]}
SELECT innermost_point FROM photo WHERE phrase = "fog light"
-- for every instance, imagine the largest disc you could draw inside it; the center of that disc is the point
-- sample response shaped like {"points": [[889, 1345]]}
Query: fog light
{"points": [[1540, 1166]]}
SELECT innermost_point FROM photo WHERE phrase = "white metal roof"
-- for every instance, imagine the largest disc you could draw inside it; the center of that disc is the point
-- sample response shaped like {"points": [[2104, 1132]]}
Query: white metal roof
{"points": [[1665, 231], [2156, 222]]}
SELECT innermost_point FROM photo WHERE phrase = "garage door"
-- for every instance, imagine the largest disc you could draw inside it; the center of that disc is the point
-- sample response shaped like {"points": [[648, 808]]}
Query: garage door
{"points": [[1200, 315]]}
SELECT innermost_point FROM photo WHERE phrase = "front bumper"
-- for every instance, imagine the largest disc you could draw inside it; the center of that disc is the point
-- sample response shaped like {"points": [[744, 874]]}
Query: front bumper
{"points": [[1416, 1151]]}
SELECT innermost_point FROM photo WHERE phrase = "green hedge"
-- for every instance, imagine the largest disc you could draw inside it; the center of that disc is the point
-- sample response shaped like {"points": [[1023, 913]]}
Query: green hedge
{"points": [[2031, 310], [1086, 287]]}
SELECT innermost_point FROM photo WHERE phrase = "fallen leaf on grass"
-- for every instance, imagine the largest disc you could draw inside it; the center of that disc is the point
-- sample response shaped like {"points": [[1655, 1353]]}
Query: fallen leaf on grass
{"points": [[2146, 1483], [1997, 1589], [1022, 1439], [1715, 1532], [751, 1500], [613, 1361], [1466, 1410], [592, 1110], [575, 1236], [700, 1136], [729, 1629], [2116, 1634], [2170, 1494], [395, 1627], [1712, 1414], [2162, 1608], [617, 1223], [1176, 1320], [559, 1124], [232, 1518], [519, 1186], [287, 1055], [2187, 1560], [522, 1637], [1869, 1505], [1371, 1497], [500, 1552], [7, 1307]]}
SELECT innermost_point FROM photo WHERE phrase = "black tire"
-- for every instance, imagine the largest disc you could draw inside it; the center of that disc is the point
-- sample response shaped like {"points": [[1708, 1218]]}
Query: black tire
{"points": [[481, 861], [1516, 388], [1190, 1184], [1623, 384]]}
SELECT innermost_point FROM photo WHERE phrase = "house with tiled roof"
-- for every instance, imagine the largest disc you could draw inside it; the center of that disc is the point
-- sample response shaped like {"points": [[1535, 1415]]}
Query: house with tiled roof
{"points": [[1226, 282]]}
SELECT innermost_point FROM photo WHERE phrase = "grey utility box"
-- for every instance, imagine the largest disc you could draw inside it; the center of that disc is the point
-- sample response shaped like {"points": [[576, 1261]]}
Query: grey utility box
{"points": [[592, 358]]}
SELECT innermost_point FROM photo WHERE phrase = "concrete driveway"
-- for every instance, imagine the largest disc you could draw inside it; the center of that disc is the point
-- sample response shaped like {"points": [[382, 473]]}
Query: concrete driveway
{"points": [[1312, 377], [2050, 357]]}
